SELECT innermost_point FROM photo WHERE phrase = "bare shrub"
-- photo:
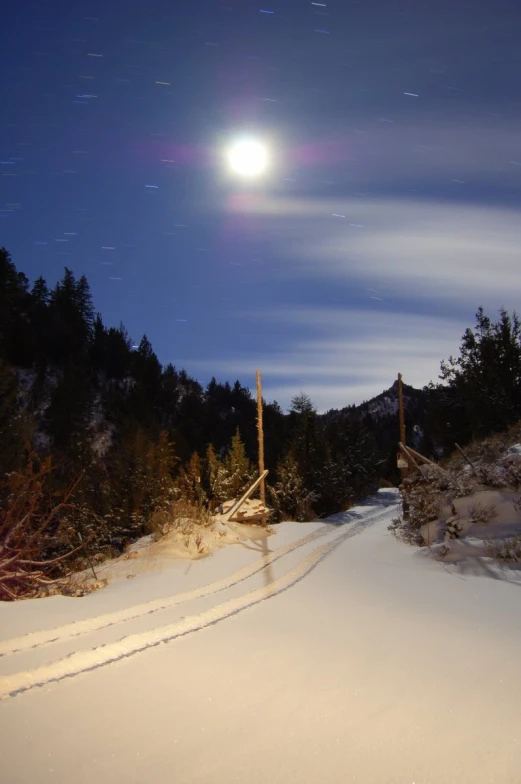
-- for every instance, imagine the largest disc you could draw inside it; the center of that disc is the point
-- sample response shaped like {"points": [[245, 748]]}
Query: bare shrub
{"points": [[201, 547], [481, 513], [506, 549], [396, 522], [405, 532], [35, 535], [180, 515]]}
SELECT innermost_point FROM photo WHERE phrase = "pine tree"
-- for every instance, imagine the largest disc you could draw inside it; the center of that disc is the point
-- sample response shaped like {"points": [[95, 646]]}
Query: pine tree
{"points": [[308, 446], [15, 426], [333, 486], [140, 478], [68, 417], [71, 319], [165, 461], [216, 477], [303, 419], [275, 434], [40, 322], [356, 451], [189, 486], [40, 293], [145, 395], [190, 416], [83, 301], [238, 468], [290, 498], [111, 350], [485, 380], [229, 477], [16, 344]]}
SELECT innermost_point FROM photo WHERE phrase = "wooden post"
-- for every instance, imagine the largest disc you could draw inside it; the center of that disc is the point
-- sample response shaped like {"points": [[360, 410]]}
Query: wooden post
{"points": [[403, 470], [400, 409], [260, 433]]}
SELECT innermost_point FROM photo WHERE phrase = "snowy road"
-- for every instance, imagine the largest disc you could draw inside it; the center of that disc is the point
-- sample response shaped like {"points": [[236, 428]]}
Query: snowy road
{"points": [[371, 664], [88, 658]]}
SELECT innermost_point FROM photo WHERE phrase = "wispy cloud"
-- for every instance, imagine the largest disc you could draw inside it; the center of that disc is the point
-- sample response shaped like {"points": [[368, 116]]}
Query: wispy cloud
{"points": [[410, 269], [341, 357], [429, 250]]}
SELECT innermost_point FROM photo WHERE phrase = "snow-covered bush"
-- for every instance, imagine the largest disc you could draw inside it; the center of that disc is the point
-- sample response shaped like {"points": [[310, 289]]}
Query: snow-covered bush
{"points": [[492, 475], [458, 485], [512, 470], [422, 498], [453, 528]]}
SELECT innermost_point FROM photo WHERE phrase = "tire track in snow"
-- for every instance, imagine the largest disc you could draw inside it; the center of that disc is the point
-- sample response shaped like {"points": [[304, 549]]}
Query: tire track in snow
{"points": [[91, 659], [89, 625]]}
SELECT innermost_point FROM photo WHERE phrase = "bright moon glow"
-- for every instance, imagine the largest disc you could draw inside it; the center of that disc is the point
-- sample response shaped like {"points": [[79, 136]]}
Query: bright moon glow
{"points": [[248, 158]]}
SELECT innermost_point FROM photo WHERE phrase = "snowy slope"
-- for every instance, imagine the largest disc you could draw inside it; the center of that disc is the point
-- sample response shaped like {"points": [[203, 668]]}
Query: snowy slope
{"points": [[370, 663]]}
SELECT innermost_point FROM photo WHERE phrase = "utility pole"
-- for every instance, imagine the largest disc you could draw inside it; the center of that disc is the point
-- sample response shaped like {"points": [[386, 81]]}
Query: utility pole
{"points": [[402, 462], [260, 433], [400, 409]]}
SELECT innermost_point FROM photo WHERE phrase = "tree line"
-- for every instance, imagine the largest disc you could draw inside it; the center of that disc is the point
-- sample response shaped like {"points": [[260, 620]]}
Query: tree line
{"points": [[131, 434], [86, 416]]}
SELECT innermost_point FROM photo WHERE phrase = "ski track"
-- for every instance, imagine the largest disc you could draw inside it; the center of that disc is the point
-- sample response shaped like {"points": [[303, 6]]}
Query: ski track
{"points": [[89, 625], [90, 659]]}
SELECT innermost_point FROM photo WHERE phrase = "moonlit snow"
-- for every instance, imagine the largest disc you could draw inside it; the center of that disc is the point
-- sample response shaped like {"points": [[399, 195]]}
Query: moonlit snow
{"points": [[327, 652]]}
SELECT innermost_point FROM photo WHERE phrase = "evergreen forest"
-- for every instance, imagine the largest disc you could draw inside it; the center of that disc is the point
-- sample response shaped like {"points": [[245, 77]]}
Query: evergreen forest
{"points": [[98, 436]]}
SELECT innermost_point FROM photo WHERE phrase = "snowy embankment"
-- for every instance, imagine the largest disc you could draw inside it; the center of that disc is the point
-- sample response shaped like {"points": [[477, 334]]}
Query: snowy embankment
{"points": [[369, 664]]}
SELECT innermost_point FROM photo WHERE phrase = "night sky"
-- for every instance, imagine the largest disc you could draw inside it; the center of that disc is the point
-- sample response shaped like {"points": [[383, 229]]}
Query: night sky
{"points": [[389, 213]]}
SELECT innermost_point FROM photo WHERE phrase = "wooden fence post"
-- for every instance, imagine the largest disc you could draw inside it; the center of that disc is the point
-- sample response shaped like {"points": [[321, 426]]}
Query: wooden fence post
{"points": [[404, 470], [260, 434]]}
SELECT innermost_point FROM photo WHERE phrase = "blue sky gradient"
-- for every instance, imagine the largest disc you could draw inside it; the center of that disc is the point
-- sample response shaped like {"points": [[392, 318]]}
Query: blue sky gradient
{"points": [[390, 213]]}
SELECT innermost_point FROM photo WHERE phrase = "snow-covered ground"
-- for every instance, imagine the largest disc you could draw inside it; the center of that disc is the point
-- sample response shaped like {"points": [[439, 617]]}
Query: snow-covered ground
{"points": [[369, 663]]}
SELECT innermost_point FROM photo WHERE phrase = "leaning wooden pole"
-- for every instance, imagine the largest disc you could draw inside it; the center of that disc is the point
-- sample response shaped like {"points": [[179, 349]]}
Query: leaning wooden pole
{"points": [[260, 433], [466, 458], [237, 505], [409, 455]]}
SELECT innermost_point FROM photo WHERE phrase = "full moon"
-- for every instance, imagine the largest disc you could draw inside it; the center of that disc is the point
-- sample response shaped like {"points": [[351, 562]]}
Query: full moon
{"points": [[248, 158]]}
